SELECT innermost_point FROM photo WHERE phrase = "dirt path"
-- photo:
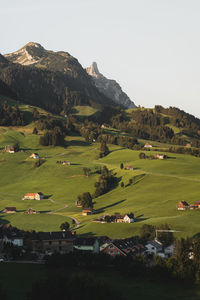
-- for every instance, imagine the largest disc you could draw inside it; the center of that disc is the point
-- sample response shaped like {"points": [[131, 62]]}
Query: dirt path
{"points": [[70, 217]]}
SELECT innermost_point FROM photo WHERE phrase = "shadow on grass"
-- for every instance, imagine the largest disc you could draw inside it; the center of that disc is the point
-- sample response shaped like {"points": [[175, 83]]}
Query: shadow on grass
{"points": [[117, 150], [102, 209], [3, 220], [140, 219], [47, 196], [44, 211], [77, 143]]}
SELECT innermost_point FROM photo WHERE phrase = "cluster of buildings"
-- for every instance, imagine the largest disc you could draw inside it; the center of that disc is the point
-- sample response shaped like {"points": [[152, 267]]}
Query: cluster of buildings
{"points": [[118, 218], [183, 205], [47, 243], [13, 209]]}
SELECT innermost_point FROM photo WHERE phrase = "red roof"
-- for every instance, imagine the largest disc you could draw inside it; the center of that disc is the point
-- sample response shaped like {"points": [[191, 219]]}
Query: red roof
{"points": [[30, 194]]}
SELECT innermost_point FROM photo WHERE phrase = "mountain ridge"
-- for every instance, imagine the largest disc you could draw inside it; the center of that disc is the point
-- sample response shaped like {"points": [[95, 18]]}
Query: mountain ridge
{"points": [[109, 87]]}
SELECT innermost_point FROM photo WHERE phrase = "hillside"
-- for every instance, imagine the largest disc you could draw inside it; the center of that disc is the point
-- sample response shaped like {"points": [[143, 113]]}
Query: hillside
{"points": [[177, 176]]}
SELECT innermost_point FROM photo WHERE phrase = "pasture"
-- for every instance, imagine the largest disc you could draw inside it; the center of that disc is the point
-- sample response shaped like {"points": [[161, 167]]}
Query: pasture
{"points": [[158, 185]]}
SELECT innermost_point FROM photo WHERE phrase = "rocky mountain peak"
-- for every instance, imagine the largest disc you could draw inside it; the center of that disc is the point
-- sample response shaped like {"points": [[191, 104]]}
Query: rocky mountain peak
{"points": [[27, 55], [93, 70], [110, 88]]}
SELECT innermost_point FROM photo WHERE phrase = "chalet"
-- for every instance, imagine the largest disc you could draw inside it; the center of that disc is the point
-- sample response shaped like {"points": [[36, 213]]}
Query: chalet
{"points": [[147, 146], [131, 246], [87, 211], [31, 211], [183, 205], [66, 163], [50, 242], [33, 196], [89, 244], [128, 168], [129, 218], [154, 247], [9, 210], [9, 149], [34, 155]]}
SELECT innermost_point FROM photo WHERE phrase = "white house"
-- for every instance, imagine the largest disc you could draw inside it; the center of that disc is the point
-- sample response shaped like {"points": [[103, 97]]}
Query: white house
{"points": [[34, 155], [128, 219], [15, 240], [154, 247]]}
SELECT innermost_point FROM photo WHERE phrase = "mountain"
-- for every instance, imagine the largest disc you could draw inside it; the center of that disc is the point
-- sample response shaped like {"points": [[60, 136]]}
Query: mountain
{"points": [[110, 88], [54, 81]]}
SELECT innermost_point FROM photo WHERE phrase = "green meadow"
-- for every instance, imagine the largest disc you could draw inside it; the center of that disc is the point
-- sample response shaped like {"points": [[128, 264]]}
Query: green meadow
{"points": [[153, 196]]}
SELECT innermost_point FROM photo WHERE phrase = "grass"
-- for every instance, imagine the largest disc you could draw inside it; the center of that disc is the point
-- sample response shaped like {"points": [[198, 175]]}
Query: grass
{"points": [[157, 186]]}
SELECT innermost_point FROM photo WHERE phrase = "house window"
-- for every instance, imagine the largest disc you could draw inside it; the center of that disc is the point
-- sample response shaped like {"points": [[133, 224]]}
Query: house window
{"points": [[50, 242], [60, 242], [60, 248]]}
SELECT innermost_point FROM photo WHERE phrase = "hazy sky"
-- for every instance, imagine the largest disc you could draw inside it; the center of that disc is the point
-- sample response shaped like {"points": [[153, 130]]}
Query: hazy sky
{"points": [[151, 47]]}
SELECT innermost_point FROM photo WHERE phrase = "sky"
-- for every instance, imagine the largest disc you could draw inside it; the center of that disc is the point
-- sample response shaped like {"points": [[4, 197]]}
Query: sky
{"points": [[151, 47]]}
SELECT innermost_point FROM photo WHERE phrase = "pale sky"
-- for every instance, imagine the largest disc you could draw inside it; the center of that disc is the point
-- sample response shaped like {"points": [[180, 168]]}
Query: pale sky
{"points": [[151, 47]]}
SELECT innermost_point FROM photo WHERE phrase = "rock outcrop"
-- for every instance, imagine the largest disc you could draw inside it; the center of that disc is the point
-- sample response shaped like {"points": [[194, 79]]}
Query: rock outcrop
{"points": [[110, 88]]}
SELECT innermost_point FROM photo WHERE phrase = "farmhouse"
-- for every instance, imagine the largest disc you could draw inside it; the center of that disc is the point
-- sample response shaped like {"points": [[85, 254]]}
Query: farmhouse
{"points": [[147, 146], [50, 242], [129, 218], [9, 149], [34, 155], [87, 211], [33, 196], [31, 211], [89, 244], [188, 145], [66, 163], [9, 210], [183, 205], [159, 156], [128, 168], [78, 203]]}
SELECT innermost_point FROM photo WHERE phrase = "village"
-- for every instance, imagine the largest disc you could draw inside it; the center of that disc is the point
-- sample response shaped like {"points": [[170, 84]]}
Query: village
{"points": [[37, 245]]}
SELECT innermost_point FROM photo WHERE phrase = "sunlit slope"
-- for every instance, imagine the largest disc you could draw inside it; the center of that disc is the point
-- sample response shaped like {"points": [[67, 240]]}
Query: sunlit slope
{"points": [[156, 189]]}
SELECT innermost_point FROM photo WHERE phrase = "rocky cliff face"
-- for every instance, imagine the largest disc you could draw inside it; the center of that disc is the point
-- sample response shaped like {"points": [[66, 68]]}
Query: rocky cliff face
{"points": [[110, 88]]}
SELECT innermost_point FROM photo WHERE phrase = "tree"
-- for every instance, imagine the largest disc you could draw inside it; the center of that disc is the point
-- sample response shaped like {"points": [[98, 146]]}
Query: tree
{"points": [[16, 147], [35, 131], [64, 226], [147, 232], [142, 155], [121, 166], [107, 219], [122, 184], [87, 171], [104, 150], [86, 200]]}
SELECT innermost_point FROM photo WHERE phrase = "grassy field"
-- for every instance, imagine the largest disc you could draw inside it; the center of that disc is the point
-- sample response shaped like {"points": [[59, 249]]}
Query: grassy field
{"points": [[17, 280], [157, 186]]}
